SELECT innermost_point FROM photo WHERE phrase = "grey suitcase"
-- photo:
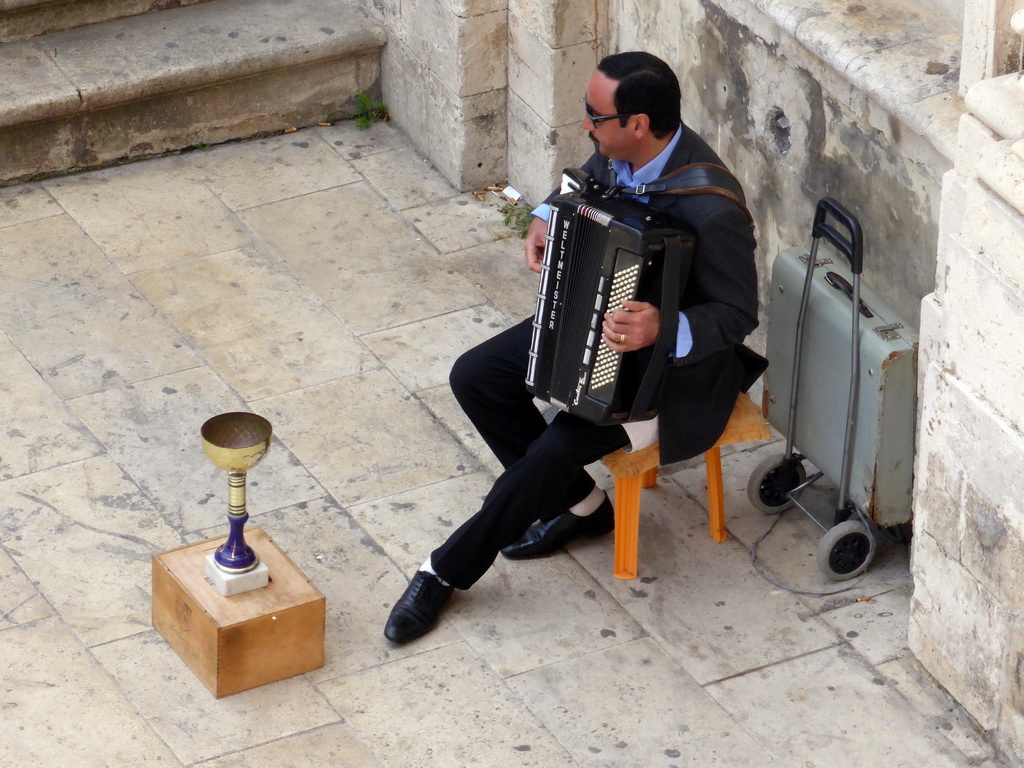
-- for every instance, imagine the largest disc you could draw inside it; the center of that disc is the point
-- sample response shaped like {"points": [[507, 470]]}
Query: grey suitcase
{"points": [[870, 436]]}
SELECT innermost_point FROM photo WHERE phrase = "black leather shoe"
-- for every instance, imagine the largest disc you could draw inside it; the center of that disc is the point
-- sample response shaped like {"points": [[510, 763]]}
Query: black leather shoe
{"points": [[550, 536], [418, 609]]}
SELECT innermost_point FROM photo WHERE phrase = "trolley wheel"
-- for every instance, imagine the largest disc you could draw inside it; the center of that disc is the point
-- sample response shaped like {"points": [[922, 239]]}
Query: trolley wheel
{"points": [[845, 551], [769, 484]]}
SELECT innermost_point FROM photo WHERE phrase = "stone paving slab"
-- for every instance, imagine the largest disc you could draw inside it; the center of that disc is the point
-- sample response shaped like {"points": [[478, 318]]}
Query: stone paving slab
{"points": [[403, 177], [343, 243], [700, 598], [633, 705], [185, 716], [152, 431], [456, 223], [362, 456], [331, 745], [141, 225], [76, 317], [519, 619], [443, 406], [266, 333], [497, 268], [86, 534], [61, 707], [865, 722], [456, 712], [409, 525], [421, 354], [20, 601], [41, 431], [285, 166], [26, 203]]}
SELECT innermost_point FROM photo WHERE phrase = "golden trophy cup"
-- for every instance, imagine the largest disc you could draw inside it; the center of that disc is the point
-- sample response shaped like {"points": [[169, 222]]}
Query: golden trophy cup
{"points": [[236, 442]]}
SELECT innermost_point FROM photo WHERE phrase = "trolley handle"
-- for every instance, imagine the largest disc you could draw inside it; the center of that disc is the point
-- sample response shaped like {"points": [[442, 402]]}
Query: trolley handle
{"points": [[853, 247]]}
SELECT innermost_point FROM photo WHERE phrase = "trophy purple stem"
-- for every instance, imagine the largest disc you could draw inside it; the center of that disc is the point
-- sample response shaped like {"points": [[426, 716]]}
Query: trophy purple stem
{"points": [[235, 554]]}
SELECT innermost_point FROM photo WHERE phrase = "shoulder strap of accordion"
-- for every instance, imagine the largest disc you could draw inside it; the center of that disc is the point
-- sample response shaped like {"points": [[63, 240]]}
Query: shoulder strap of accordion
{"points": [[696, 179], [674, 268]]}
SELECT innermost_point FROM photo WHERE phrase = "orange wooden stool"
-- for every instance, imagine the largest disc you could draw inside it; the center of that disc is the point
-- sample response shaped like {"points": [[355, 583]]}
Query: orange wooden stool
{"points": [[633, 471]]}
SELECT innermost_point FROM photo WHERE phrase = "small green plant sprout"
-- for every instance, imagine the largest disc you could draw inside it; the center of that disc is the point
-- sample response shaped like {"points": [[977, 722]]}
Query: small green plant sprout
{"points": [[369, 111], [517, 216]]}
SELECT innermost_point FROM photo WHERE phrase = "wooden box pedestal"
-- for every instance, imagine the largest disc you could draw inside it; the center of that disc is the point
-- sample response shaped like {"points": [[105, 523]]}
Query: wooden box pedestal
{"points": [[243, 641]]}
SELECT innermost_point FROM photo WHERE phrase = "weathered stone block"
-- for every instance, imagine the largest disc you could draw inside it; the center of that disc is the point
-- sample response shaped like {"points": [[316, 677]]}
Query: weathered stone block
{"points": [[969, 502], [389, 12], [938, 488], [285, 98], [999, 103], [468, 54], [932, 334], [475, 7], [973, 135], [938, 118], [463, 137], [1011, 714], [26, 20], [1001, 168], [559, 23], [993, 329], [992, 538], [551, 81], [955, 629], [994, 230], [32, 87], [537, 153], [954, 205]]}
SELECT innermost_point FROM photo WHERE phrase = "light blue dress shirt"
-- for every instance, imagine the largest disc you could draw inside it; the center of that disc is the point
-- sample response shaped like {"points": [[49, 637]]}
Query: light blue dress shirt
{"points": [[627, 178]]}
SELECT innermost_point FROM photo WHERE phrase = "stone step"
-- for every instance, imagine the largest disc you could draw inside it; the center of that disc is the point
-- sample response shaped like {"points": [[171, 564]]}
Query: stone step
{"points": [[24, 19], [162, 81]]}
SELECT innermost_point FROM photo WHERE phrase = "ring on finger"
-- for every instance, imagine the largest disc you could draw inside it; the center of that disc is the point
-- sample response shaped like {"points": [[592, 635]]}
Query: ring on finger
{"points": [[622, 338]]}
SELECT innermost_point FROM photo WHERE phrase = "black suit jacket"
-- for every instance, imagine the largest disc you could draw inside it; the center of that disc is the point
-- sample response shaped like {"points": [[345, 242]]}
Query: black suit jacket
{"points": [[719, 299]]}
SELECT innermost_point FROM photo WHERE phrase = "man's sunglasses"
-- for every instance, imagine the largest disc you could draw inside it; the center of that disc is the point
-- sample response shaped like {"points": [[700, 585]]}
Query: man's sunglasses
{"points": [[597, 119]]}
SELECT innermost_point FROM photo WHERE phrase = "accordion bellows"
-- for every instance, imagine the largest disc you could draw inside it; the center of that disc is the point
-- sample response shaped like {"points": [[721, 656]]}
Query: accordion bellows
{"points": [[599, 253]]}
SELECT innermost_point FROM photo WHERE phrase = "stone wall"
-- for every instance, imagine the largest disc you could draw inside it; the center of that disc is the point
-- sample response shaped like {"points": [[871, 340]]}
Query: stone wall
{"points": [[968, 606], [444, 74], [553, 49]]}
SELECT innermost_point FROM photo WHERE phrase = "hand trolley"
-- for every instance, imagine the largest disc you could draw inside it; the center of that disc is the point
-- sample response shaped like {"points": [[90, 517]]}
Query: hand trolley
{"points": [[813, 395]]}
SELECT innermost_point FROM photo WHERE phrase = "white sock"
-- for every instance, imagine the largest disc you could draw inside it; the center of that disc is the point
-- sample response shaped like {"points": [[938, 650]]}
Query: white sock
{"points": [[590, 504], [429, 568]]}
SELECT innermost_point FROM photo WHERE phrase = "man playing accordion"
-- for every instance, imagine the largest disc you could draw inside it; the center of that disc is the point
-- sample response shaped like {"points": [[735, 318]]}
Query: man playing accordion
{"points": [[545, 498]]}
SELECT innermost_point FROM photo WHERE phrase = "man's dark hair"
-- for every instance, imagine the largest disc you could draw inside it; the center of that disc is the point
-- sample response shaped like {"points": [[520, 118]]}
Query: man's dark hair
{"points": [[646, 85]]}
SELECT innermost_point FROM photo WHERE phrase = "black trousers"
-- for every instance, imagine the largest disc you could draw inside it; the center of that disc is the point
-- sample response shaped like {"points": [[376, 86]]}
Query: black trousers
{"points": [[544, 464]]}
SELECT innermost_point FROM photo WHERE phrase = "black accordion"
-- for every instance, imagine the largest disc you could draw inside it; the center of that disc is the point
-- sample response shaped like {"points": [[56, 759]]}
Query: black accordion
{"points": [[599, 253]]}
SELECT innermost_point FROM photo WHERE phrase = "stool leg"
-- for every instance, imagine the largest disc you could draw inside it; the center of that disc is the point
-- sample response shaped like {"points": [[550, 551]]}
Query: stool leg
{"points": [[716, 506], [649, 479], [627, 525]]}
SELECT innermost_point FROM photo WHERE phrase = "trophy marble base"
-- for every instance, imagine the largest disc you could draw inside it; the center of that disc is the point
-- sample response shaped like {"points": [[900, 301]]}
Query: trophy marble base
{"points": [[229, 584], [247, 640]]}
